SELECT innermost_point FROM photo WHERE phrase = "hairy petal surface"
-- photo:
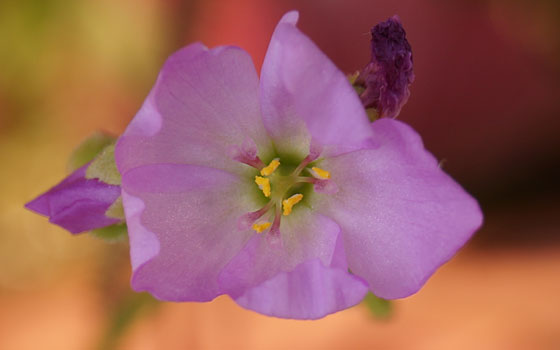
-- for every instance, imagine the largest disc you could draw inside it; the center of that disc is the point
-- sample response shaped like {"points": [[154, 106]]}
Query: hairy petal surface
{"points": [[182, 233], [310, 291], [400, 214], [304, 96], [77, 204], [203, 103]]}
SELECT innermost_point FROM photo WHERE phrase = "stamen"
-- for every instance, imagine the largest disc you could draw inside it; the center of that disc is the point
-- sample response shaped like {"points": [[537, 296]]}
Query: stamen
{"points": [[314, 153], [264, 185], [246, 153], [260, 227], [322, 186], [301, 166], [288, 204], [266, 171], [320, 173], [325, 186], [303, 179], [246, 221]]}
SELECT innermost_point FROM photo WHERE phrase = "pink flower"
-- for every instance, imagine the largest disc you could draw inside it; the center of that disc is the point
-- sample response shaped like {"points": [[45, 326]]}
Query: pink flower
{"points": [[272, 191]]}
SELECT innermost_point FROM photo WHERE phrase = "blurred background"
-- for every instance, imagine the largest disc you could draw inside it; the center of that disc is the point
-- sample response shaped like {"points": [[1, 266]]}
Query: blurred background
{"points": [[486, 100]]}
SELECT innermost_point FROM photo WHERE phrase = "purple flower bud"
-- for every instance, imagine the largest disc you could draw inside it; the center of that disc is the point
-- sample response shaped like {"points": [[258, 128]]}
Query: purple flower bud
{"points": [[387, 77], [77, 204]]}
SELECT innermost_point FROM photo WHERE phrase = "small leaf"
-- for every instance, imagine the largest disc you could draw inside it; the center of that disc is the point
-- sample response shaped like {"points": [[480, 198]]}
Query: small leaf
{"points": [[104, 168], [380, 308], [113, 233], [116, 210], [88, 149]]}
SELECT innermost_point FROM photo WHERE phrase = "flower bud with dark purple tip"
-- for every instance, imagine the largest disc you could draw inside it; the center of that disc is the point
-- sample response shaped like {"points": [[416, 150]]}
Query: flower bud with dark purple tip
{"points": [[385, 80]]}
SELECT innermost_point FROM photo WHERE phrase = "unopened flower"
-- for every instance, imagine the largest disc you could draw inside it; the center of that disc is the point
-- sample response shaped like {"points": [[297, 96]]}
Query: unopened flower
{"points": [[279, 192], [385, 80], [78, 204], [89, 198]]}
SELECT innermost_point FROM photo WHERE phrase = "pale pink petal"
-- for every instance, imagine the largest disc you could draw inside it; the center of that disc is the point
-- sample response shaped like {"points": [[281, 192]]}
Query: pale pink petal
{"points": [[182, 221], [400, 214], [310, 291], [304, 96], [204, 103], [304, 236]]}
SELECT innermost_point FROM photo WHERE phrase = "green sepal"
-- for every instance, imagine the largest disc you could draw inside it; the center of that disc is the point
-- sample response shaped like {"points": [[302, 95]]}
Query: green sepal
{"points": [[352, 80], [104, 168], [116, 210], [88, 149], [379, 308], [372, 114], [114, 233], [352, 77]]}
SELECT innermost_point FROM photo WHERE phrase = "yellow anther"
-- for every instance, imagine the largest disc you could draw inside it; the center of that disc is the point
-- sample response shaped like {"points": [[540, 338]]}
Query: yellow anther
{"points": [[287, 204], [320, 173], [264, 185], [269, 169], [261, 227]]}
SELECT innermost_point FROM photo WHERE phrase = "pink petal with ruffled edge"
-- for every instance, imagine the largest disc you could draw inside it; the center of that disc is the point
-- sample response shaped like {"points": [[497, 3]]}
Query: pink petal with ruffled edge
{"points": [[305, 236], [305, 278], [310, 291], [304, 96], [204, 103], [400, 214]]}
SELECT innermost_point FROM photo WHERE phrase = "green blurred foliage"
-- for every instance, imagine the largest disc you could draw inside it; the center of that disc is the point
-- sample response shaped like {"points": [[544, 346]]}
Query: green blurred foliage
{"points": [[48, 47], [68, 68]]}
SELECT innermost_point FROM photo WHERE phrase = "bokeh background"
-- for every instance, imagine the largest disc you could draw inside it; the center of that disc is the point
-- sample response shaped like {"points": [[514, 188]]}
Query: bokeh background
{"points": [[486, 100]]}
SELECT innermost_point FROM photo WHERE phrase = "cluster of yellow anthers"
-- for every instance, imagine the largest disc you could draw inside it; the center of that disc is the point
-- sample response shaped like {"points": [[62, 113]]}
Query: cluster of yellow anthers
{"points": [[264, 184]]}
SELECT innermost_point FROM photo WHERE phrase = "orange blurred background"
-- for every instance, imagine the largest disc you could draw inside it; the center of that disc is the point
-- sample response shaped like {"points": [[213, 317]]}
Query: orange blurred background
{"points": [[486, 100]]}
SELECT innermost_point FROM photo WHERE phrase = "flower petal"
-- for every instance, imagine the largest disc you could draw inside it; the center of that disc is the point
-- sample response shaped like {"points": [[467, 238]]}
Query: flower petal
{"points": [[401, 215], [203, 103], [190, 211], [305, 236], [301, 89], [77, 204], [144, 244], [310, 291], [305, 278]]}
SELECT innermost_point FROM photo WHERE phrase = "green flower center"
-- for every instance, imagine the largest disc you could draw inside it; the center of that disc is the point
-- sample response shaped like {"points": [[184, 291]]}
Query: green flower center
{"points": [[285, 187]]}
